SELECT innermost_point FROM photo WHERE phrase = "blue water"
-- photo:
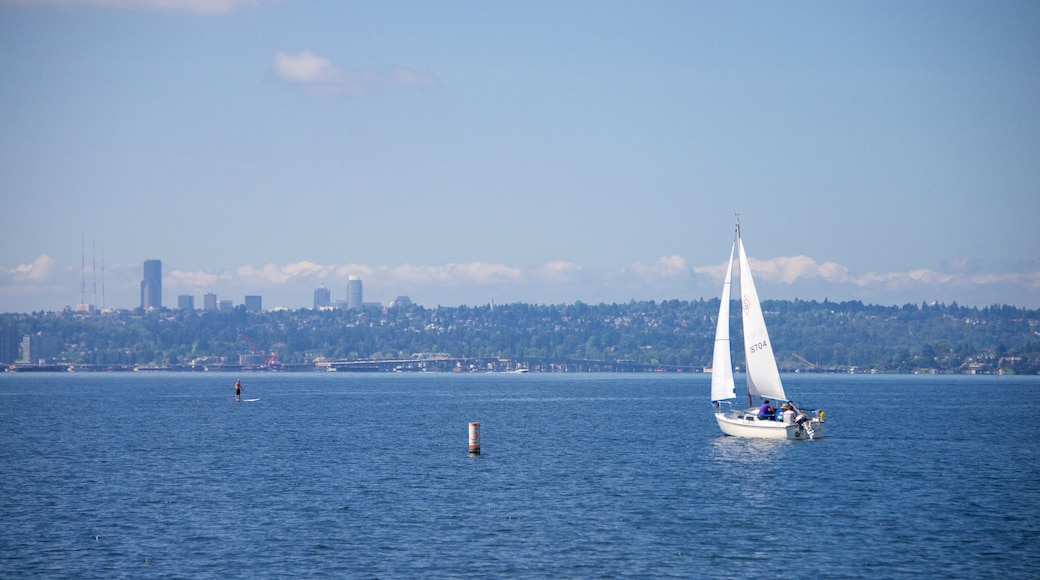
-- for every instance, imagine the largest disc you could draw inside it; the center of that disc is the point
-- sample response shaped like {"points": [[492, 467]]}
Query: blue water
{"points": [[131, 475]]}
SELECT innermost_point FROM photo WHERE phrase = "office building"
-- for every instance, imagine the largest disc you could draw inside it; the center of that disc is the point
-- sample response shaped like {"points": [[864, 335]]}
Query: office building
{"points": [[186, 302], [39, 349], [322, 297], [354, 293], [225, 305], [151, 285], [253, 303], [209, 301], [9, 343]]}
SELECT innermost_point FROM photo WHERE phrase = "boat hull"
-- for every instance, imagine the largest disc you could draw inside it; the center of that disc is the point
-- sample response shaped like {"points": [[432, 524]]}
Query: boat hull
{"points": [[748, 426]]}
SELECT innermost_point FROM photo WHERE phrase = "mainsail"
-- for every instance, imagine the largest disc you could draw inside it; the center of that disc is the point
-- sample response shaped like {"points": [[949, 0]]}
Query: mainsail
{"points": [[721, 365], [763, 377]]}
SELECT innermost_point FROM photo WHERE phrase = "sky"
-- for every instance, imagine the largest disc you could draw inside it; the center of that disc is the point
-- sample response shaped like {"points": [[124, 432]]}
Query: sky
{"points": [[541, 152]]}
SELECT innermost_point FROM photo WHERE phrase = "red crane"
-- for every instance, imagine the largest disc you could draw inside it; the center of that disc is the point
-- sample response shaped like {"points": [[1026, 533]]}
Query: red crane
{"points": [[269, 361]]}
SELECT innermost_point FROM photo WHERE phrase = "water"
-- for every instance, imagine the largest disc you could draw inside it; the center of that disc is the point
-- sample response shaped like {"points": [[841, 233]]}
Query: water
{"points": [[131, 475]]}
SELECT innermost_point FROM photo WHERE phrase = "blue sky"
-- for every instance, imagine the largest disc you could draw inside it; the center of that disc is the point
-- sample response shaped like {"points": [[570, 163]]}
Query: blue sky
{"points": [[541, 152]]}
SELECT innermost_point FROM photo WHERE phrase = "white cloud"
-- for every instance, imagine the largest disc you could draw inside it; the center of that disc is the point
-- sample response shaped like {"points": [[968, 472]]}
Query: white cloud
{"points": [[319, 76], [465, 273], [930, 276], [196, 6], [787, 270], [308, 269], [665, 266], [306, 67], [790, 269], [558, 271], [35, 271]]}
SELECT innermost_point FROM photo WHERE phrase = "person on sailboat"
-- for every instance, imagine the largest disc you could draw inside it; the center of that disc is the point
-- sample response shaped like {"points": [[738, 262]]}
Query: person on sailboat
{"points": [[802, 419], [788, 413], [766, 411]]}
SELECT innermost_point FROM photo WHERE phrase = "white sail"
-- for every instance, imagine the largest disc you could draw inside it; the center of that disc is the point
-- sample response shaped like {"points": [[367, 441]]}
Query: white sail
{"points": [[721, 365], [763, 377]]}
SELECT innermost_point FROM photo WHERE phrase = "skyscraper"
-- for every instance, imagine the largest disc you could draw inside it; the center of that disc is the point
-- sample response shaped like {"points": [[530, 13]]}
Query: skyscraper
{"points": [[186, 302], [151, 286], [322, 297], [354, 293], [254, 303], [9, 343]]}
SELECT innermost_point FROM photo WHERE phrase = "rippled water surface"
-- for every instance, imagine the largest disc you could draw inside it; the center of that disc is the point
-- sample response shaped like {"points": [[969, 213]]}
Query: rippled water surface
{"points": [[132, 475]]}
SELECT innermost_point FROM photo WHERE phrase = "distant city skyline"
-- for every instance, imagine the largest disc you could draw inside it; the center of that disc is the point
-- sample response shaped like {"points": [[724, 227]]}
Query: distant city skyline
{"points": [[545, 153], [667, 279]]}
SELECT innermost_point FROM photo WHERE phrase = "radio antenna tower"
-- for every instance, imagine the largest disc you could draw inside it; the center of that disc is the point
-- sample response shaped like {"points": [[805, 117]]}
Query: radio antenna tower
{"points": [[93, 266], [82, 272], [102, 277]]}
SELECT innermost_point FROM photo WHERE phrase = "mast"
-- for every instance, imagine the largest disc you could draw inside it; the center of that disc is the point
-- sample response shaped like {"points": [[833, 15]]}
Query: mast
{"points": [[747, 374]]}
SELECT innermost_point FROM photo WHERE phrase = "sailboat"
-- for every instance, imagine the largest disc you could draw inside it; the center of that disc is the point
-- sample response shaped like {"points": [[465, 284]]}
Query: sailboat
{"points": [[761, 372]]}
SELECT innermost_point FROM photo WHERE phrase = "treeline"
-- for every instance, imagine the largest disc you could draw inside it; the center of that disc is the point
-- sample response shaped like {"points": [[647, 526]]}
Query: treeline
{"points": [[807, 335]]}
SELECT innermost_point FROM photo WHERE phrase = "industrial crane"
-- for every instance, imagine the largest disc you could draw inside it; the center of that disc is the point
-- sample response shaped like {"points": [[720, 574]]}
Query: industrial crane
{"points": [[812, 365], [269, 361]]}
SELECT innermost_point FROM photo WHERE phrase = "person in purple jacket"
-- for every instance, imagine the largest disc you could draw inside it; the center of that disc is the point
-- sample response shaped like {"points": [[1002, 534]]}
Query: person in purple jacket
{"points": [[766, 411]]}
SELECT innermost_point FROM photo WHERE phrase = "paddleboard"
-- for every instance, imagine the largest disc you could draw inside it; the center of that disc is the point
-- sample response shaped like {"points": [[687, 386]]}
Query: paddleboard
{"points": [[250, 400]]}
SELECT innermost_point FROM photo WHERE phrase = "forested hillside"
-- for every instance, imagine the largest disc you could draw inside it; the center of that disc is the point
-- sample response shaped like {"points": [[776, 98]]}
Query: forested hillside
{"points": [[806, 335]]}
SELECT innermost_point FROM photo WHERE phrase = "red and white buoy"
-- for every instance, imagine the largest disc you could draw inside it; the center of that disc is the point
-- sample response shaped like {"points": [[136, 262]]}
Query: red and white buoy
{"points": [[474, 438]]}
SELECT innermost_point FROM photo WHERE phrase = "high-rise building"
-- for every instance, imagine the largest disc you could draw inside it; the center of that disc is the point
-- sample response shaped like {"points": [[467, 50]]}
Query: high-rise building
{"points": [[354, 293], [209, 301], [38, 348], [9, 343], [186, 302], [151, 285], [322, 297], [253, 303]]}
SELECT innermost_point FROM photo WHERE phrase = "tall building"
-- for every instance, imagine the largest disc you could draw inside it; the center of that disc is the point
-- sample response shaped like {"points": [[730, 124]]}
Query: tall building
{"points": [[151, 285], [186, 302], [354, 293], [209, 301], [322, 297], [38, 348], [253, 303], [9, 343]]}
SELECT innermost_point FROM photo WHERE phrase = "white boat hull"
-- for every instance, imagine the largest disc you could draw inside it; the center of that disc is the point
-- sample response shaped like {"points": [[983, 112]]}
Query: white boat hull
{"points": [[749, 426]]}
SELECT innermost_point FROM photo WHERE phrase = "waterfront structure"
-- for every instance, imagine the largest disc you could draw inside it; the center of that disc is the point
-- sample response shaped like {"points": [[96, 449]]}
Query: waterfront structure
{"points": [[209, 301], [253, 303], [151, 285], [186, 302], [322, 297], [354, 293]]}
